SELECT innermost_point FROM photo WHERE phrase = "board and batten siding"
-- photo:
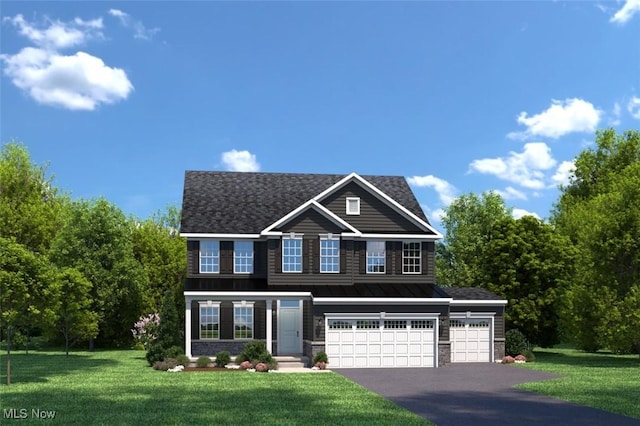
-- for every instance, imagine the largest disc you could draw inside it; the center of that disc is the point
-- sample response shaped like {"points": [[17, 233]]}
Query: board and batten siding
{"points": [[376, 216]]}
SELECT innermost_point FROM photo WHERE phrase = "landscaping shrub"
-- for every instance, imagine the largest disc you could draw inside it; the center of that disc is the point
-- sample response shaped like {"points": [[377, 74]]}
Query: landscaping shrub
{"points": [[223, 358], [173, 352], [255, 351], [320, 357], [528, 354], [183, 360], [165, 364], [515, 343], [203, 361], [155, 354]]}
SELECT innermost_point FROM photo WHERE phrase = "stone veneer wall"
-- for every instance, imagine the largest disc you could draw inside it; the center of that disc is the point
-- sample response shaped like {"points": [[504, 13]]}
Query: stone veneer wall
{"points": [[444, 353], [310, 349], [498, 349], [212, 347]]}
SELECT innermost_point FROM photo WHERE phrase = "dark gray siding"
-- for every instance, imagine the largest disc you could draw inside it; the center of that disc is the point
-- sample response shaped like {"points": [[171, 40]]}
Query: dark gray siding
{"points": [[375, 215], [226, 261], [310, 222]]}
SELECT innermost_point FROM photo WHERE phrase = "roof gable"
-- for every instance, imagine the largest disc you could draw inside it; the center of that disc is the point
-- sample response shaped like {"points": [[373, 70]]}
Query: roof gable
{"points": [[248, 203]]}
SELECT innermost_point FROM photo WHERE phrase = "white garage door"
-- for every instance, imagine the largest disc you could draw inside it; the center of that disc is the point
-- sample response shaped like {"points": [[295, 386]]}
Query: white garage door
{"points": [[470, 340], [370, 343]]}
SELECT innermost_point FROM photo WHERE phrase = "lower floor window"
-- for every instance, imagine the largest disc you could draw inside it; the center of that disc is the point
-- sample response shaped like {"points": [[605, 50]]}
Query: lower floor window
{"points": [[242, 321], [210, 321]]}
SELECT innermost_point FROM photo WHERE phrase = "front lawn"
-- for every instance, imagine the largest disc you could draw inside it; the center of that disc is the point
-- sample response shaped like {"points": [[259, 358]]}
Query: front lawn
{"points": [[117, 387], [601, 380]]}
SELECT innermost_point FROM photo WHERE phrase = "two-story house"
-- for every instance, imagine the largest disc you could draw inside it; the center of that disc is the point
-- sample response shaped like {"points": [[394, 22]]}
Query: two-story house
{"points": [[318, 262]]}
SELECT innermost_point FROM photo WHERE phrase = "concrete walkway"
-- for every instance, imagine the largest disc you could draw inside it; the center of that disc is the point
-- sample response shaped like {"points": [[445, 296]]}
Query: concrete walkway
{"points": [[478, 395]]}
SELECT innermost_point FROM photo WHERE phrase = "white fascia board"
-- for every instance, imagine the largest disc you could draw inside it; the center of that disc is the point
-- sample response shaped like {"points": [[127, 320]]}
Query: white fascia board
{"points": [[248, 294], [389, 237], [372, 188], [309, 204], [479, 302], [380, 301], [195, 236]]}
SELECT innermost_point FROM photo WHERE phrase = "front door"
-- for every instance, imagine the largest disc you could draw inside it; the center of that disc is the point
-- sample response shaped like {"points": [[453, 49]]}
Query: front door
{"points": [[289, 327]]}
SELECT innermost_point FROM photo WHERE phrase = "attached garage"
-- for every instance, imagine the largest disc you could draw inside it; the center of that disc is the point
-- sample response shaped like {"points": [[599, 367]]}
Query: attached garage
{"points": [[381, 343], [471, 339]]}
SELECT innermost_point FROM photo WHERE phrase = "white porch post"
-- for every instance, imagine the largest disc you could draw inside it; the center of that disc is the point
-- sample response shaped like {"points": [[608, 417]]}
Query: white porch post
{"points": [[187, 326], [270, 325]]}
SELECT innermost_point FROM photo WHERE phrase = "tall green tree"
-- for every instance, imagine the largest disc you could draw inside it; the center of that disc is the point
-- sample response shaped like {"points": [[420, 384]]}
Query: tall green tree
{"points": [[96, 239], [30, 205], [468, 224], [529, 264], [161, 250], [600, 212], [169, 332], [26, 297], [74, 317]]}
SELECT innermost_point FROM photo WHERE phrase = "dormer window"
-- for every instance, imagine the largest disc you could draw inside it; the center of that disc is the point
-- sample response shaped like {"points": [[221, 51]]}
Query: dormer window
{"points": [[353, 206]]}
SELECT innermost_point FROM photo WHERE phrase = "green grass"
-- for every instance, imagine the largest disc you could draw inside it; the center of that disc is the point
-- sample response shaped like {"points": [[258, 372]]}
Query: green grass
{"points": [[601, 380], [117, 387]]}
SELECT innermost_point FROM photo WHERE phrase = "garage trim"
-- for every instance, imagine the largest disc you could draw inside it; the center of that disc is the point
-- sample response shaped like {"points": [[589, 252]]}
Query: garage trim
{"points": [[380, 316], [489, 316]]}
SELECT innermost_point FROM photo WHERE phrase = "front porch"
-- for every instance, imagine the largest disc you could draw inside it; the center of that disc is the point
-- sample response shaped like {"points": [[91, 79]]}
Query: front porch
{"points": [[226, 321]]}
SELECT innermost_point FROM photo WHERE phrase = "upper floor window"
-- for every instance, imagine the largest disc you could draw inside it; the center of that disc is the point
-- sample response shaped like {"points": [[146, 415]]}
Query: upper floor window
{"points": [[411, 258], [243, 320], [329, 254], [243, 257], [210, 320], [209, 257], [292, 254], [353, 205], [375, 257]]}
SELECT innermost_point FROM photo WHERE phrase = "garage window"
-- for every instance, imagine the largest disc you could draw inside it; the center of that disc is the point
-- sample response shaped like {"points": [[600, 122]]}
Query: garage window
{"points": [[421, 324], [339, 325], [368, 324], [395, 324]]}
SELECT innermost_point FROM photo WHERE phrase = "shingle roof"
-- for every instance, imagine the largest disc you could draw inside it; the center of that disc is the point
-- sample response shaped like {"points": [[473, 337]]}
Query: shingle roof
{"points": [[243, 202], [470, 293]]}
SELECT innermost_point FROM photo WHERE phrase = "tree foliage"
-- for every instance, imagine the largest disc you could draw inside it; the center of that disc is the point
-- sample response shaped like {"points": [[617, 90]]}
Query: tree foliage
{"points": [[169, 332], [529, 264], [600, 212], [30, 205], [468, 224], [96, 239]]}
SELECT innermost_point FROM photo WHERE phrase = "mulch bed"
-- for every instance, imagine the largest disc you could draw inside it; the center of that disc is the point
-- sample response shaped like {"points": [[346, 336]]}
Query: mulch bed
{"points": [[210, 369]]}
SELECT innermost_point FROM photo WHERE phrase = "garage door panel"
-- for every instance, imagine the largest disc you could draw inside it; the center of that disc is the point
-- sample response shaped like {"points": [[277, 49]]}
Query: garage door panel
{"points": [[381, 343], [470, 340]]}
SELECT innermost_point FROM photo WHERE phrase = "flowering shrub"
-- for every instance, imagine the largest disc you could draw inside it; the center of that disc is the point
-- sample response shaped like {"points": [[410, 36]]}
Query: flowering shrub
{"points": [[245, 365], [146, 329], [508, 360], [262, 367]]}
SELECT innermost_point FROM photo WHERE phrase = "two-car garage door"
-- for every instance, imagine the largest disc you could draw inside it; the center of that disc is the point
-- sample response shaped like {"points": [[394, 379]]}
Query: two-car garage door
{"points": [[384, 343]]}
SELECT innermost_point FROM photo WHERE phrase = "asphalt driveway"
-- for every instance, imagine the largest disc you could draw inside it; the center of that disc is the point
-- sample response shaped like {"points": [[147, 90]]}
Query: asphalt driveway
{"points": [[478, 395]]}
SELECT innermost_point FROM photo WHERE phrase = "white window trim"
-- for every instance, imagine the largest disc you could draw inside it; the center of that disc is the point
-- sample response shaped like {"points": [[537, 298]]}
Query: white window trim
{"points": [[329, 237], [357, 210], [234, 258], [419, 258], [293, 236], [245, 304], [207, 304], [200, 257], [366, 260]]}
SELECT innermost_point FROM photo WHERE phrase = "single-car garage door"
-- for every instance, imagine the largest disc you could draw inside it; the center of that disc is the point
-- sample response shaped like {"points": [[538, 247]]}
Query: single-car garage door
{"points": [[370, 343], [470, 340]]}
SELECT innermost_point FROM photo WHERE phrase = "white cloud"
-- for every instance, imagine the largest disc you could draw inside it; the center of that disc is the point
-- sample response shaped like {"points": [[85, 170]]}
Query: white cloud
{"points": [[614, 120], [630, 8], [518, 213], [77, 82], [562, 117], [445, 190], [563, 173], [139, 30], [240, 161], [634, 107], [510, 193], [523, 168]]}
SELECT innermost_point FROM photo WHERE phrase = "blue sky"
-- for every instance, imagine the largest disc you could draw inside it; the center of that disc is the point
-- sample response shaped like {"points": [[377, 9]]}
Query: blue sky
{"points": [[120, 98]]}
